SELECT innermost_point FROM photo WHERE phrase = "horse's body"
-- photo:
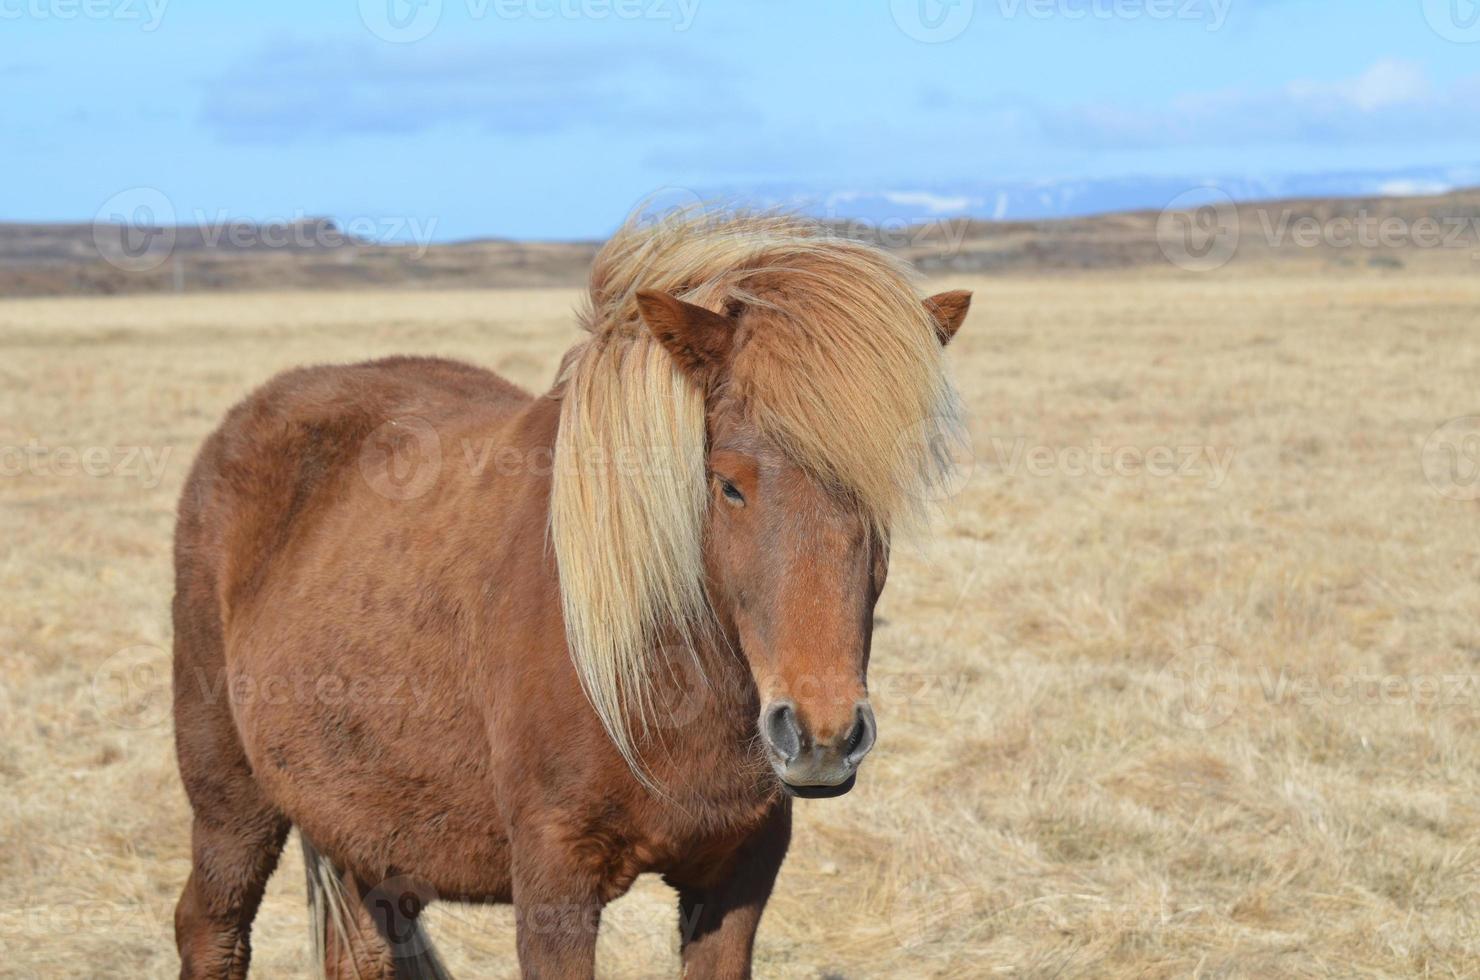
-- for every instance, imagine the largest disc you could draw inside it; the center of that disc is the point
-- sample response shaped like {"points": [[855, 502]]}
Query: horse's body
{"points": [[387, 666]]}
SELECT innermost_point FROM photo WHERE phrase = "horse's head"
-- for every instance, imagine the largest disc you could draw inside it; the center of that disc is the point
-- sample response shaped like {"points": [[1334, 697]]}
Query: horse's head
{"points": [[794, 561]]}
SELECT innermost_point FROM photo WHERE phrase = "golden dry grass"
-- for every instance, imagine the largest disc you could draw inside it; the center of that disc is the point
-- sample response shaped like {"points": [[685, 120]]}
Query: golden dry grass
{"points": [[1131, 724]]}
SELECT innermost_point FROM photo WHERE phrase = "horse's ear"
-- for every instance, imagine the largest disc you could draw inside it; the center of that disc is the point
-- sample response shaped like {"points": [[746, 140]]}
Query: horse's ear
{"points": [[948, 310], [698, 339]]}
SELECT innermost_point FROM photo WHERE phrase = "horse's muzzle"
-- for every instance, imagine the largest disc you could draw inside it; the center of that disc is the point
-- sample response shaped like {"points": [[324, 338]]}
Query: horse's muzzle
{"points": [[813, 767]]}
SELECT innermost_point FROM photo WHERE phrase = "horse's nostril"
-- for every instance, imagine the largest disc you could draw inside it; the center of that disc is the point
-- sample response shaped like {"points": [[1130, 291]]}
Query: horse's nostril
{"points": [[861, 737], [781, 730]]}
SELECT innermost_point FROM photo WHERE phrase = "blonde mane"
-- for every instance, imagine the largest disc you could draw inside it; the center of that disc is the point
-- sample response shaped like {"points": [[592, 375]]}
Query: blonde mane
{"points": [[844, 371]]}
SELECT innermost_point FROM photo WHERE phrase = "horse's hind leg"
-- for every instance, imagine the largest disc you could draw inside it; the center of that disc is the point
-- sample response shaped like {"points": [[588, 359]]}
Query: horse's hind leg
{"points": [[234, 842], [237, 834], [231, 865]]}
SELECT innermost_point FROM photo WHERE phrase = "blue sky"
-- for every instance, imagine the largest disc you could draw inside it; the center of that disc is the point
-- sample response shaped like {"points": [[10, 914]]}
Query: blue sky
{"points": [[552, 118]]}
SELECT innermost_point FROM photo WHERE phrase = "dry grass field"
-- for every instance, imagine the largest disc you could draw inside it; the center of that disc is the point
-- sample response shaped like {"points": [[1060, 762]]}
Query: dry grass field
{"points": [[1186, 683]]}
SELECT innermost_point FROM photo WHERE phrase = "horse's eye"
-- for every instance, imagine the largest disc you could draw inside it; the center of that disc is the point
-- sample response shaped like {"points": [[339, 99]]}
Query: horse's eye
{"points": [[732, 494]]}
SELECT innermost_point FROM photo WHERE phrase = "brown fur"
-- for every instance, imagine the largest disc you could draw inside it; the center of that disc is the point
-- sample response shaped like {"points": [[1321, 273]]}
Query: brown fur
{"points": [[392, 676]]}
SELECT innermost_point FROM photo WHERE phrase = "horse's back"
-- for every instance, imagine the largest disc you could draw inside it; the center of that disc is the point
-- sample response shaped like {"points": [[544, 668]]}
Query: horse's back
{"points": [[267, 466]]}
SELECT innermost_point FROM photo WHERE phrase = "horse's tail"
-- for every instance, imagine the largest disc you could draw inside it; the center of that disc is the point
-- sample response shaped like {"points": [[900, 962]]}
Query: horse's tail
{"points": [[343, 931]]}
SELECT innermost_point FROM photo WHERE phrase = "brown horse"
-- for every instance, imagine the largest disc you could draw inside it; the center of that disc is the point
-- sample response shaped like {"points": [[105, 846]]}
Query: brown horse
{"points": [[621, 646]]}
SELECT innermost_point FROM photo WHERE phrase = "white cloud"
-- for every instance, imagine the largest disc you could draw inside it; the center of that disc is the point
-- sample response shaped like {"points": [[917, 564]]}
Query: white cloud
{"points": [[1388, 102], [1413, 188], [1386, 84], [932, 203]]}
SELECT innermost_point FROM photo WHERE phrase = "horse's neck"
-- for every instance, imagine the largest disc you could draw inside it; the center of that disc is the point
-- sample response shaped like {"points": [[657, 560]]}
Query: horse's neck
{"points": [[708, 709], [730, 688]]}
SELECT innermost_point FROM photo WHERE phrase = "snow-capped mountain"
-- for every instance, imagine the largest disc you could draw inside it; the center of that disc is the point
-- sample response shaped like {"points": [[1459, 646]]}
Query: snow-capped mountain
{"points": [[1040, 199]]}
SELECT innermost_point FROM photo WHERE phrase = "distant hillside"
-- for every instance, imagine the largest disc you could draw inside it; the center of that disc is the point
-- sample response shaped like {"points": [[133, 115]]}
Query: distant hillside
{"points": [[1440, 232], [1385, 233], [51, 260]]}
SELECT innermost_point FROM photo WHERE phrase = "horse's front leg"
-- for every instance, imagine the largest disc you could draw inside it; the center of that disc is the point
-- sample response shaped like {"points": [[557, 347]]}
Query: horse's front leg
{"points": [[557, 912], [717, 921]]}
